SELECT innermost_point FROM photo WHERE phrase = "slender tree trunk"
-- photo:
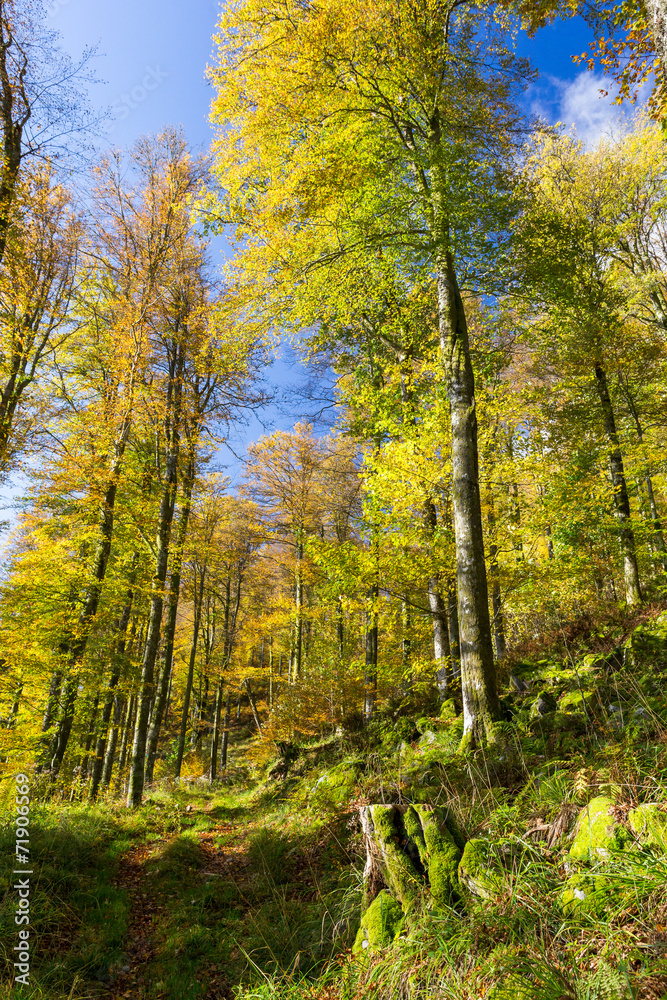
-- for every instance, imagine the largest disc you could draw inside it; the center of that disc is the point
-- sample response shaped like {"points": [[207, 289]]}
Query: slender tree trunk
{"points": [[125, 739], [253, 706], [441, 644], [53, 700], [481, 707], [621, 500], [225, 734], [112, 742], [116, 669], [89, 740], [146, 692], [198, 599], [371, 669], [298, 603], [73, 648], [496, 600], [656, 11], [215, 738], [170, 625], [16, 704]]}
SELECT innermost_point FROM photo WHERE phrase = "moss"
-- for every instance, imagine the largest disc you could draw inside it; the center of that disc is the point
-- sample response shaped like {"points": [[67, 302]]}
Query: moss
{"points": [[544, 704], [380, 924], [582, 894], [442, 858], [448, 710], [413, 828], [401, 874], [334, 788], [574, 701], [475, 873], [649, 822], [597, 833]]}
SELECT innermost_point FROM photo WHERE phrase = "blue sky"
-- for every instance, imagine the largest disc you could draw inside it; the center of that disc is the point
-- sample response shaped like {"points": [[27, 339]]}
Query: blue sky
{"points": [[152, 59]]}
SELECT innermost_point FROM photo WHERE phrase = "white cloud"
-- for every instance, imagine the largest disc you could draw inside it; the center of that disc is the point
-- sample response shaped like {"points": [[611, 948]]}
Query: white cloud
{"points": [[582, 106], [588, 112]]}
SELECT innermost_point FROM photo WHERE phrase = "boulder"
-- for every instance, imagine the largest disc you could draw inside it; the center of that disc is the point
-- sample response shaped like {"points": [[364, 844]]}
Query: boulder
{"points": [[582, 894], [380, 924], [597, 833], [484, 864], [649, 823], [544, 704]]}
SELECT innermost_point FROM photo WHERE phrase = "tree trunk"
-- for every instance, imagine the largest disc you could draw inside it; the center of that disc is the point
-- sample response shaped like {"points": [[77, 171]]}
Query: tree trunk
{"points": [[73, 648], [253, 706], [481, 707], [198, 599], [146, 692], [170, 625], [496, 601], [298, 602], [215, 738], [89, 740], [125, 739], [410, 848], [441, 645], [112, 742], [116, 669], [371, 667], [14, 710], [656, 11], [621, 500], [225, 734]]}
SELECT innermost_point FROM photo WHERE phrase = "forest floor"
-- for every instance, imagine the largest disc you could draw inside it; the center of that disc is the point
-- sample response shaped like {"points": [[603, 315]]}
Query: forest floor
{"points": [[252, 889], [194, 894]]}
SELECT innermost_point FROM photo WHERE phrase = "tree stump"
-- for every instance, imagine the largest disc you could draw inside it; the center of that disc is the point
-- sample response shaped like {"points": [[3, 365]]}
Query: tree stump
{"points": [[411, 851]]}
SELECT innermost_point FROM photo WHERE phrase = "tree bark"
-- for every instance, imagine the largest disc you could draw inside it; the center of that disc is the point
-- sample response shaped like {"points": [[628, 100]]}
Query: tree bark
{"points": [[481, 707], [225, 734], [441, 646], [74, 647], [165, 520], [100, 749], [112, 742], [170, 625], [656, 11], [198, 599], [633, 593], [125, 739]]}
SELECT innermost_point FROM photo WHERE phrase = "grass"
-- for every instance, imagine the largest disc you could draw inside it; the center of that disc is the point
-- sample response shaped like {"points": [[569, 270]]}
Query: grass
{"points": [[253, 890]]}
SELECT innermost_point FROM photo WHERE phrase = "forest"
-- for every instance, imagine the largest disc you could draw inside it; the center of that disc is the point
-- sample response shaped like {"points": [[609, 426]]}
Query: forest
{"points": [[383, 715]]}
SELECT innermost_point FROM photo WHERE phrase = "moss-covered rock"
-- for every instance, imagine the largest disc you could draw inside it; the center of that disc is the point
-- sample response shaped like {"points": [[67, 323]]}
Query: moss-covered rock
{"points": [[649, 823], [380, 924], [448, 710], [334, 788], [543, 705], [582, 894], [477, 870], [597, 833], [441, 857]]}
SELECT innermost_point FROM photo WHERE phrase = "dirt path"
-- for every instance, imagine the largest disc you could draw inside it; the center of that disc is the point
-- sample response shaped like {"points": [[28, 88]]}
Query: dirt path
{"points": [[134, 979], [130, 980]]}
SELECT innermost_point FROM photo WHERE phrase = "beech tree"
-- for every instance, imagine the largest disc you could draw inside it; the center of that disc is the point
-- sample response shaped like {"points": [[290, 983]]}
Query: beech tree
{"points": [[424, 180]]}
